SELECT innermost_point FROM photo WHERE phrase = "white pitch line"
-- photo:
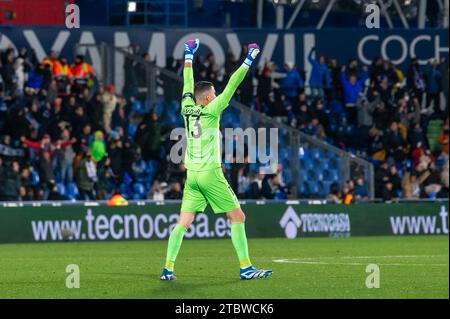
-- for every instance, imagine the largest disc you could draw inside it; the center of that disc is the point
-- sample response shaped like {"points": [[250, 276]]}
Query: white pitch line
{"points": [[316, 261], [362, 257]]}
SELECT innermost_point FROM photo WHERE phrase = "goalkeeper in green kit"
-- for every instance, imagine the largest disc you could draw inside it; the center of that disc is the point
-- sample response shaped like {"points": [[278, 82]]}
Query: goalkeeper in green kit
{"points": [[205, 183]]}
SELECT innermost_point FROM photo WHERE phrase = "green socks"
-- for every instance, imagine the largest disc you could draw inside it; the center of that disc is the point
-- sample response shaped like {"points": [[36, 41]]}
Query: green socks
{"points": [[239, 239], [175, 240]]}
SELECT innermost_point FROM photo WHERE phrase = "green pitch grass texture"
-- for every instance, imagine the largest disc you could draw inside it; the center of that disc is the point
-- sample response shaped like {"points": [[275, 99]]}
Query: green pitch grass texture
{"points": [[410, 267]]}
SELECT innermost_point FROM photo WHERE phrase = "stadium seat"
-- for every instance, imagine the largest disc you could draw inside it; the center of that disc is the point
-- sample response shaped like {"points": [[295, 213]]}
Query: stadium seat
{"points": [[287, 175], [132, 128], [159, 109], [306, 164], [137, 107], [124, 189], [324, 187], [139, 189], [312, 187], [284, 154], [316, 153], [34, 179], [61, 189], [312, 175], [331, 175], [72, 190]]}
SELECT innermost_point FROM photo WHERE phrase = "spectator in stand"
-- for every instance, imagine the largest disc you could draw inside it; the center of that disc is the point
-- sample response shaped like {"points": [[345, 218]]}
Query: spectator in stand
{"points": [[387, 193], [352, 87], [381, 177], [347, 194], [104, 174], [395, 179], [320, 75], [444, 193], [361, 192], [53, 62], [8, 73], [270, 186], [109, 101], [444, 69], [157, 191], [417, 136], [65, 156], [293, 83], [11, 182], [412, 182], [83, 74], [255, 188], [86, 178], [335, 194], [395, 143], [46, 145], [98, 149], [365, 111], [174, 192], [443, 139], [433, 82], [416, 80]]}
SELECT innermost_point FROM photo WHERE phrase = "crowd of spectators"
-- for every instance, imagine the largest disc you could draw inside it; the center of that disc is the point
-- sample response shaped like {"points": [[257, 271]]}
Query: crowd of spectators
{"points": [[60, 126]]}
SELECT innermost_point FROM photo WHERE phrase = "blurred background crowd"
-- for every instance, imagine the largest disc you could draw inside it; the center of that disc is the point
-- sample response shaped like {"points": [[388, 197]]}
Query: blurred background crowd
{"points": [[63, 135]]}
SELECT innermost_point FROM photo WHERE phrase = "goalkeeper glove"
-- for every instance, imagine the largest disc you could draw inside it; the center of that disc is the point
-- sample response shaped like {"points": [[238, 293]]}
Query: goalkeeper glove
{"points": [[253, 51], [190, 47]]}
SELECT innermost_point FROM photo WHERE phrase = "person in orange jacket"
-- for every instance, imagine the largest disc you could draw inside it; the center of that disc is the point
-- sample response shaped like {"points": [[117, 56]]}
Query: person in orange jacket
{"points": [[81, 69], [53, 62]]}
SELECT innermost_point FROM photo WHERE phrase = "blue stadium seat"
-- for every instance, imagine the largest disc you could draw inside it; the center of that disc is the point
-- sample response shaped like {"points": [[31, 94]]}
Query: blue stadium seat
{"points": [[159, 109], [306, 164], [316, 153], [124, 189], [34, 179], [312, 187], [284, 154], [137, 107], [137, 196], [324, 187], [72, 190], [138, 188], [61, 189], [287, 175], [132, 128], [312, 175]]}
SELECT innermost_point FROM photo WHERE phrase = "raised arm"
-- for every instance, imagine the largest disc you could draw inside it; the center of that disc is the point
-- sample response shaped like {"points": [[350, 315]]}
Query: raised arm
{"points": [[190, 47], [221, 102]]}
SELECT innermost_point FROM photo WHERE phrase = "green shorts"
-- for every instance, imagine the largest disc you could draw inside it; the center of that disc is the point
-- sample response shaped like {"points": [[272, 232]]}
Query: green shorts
{"points": [[206, 187]]}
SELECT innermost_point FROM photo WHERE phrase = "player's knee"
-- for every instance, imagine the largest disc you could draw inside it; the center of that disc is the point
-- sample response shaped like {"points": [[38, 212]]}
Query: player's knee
{"points": [[237, 216], [186, 220]]}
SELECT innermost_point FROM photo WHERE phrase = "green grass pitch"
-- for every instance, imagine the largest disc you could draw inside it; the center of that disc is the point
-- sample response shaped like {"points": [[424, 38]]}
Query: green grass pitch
{"points": [[410, 267]]}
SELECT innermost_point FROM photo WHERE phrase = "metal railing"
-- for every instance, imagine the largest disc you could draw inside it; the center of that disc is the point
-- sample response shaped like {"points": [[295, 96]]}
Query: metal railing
{"points": [[134, 76]]}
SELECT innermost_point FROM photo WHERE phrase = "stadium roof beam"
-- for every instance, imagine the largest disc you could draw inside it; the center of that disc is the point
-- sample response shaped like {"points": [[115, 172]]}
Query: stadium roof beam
{"points": [[386, 14], [325, 14], [422, 17], [279, 11], [446, 14], [401, 14], [259, 13], [295, 13]]}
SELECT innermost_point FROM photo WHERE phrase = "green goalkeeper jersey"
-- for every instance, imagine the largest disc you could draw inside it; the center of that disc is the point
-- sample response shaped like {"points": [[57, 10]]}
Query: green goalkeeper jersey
{"points": [[202, 123]]}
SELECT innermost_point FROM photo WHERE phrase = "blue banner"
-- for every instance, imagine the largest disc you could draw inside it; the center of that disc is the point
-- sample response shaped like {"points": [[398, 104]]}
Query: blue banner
{"points": [[294, 46]]}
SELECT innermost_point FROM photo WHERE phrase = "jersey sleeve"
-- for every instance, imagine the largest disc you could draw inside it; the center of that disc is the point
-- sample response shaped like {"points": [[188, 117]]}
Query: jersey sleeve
{"points": [[220, 103], [188, 87]]}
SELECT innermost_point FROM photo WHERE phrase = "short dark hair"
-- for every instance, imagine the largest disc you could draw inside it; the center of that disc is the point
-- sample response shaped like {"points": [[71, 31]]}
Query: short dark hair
{"points": [[201, 87]]}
